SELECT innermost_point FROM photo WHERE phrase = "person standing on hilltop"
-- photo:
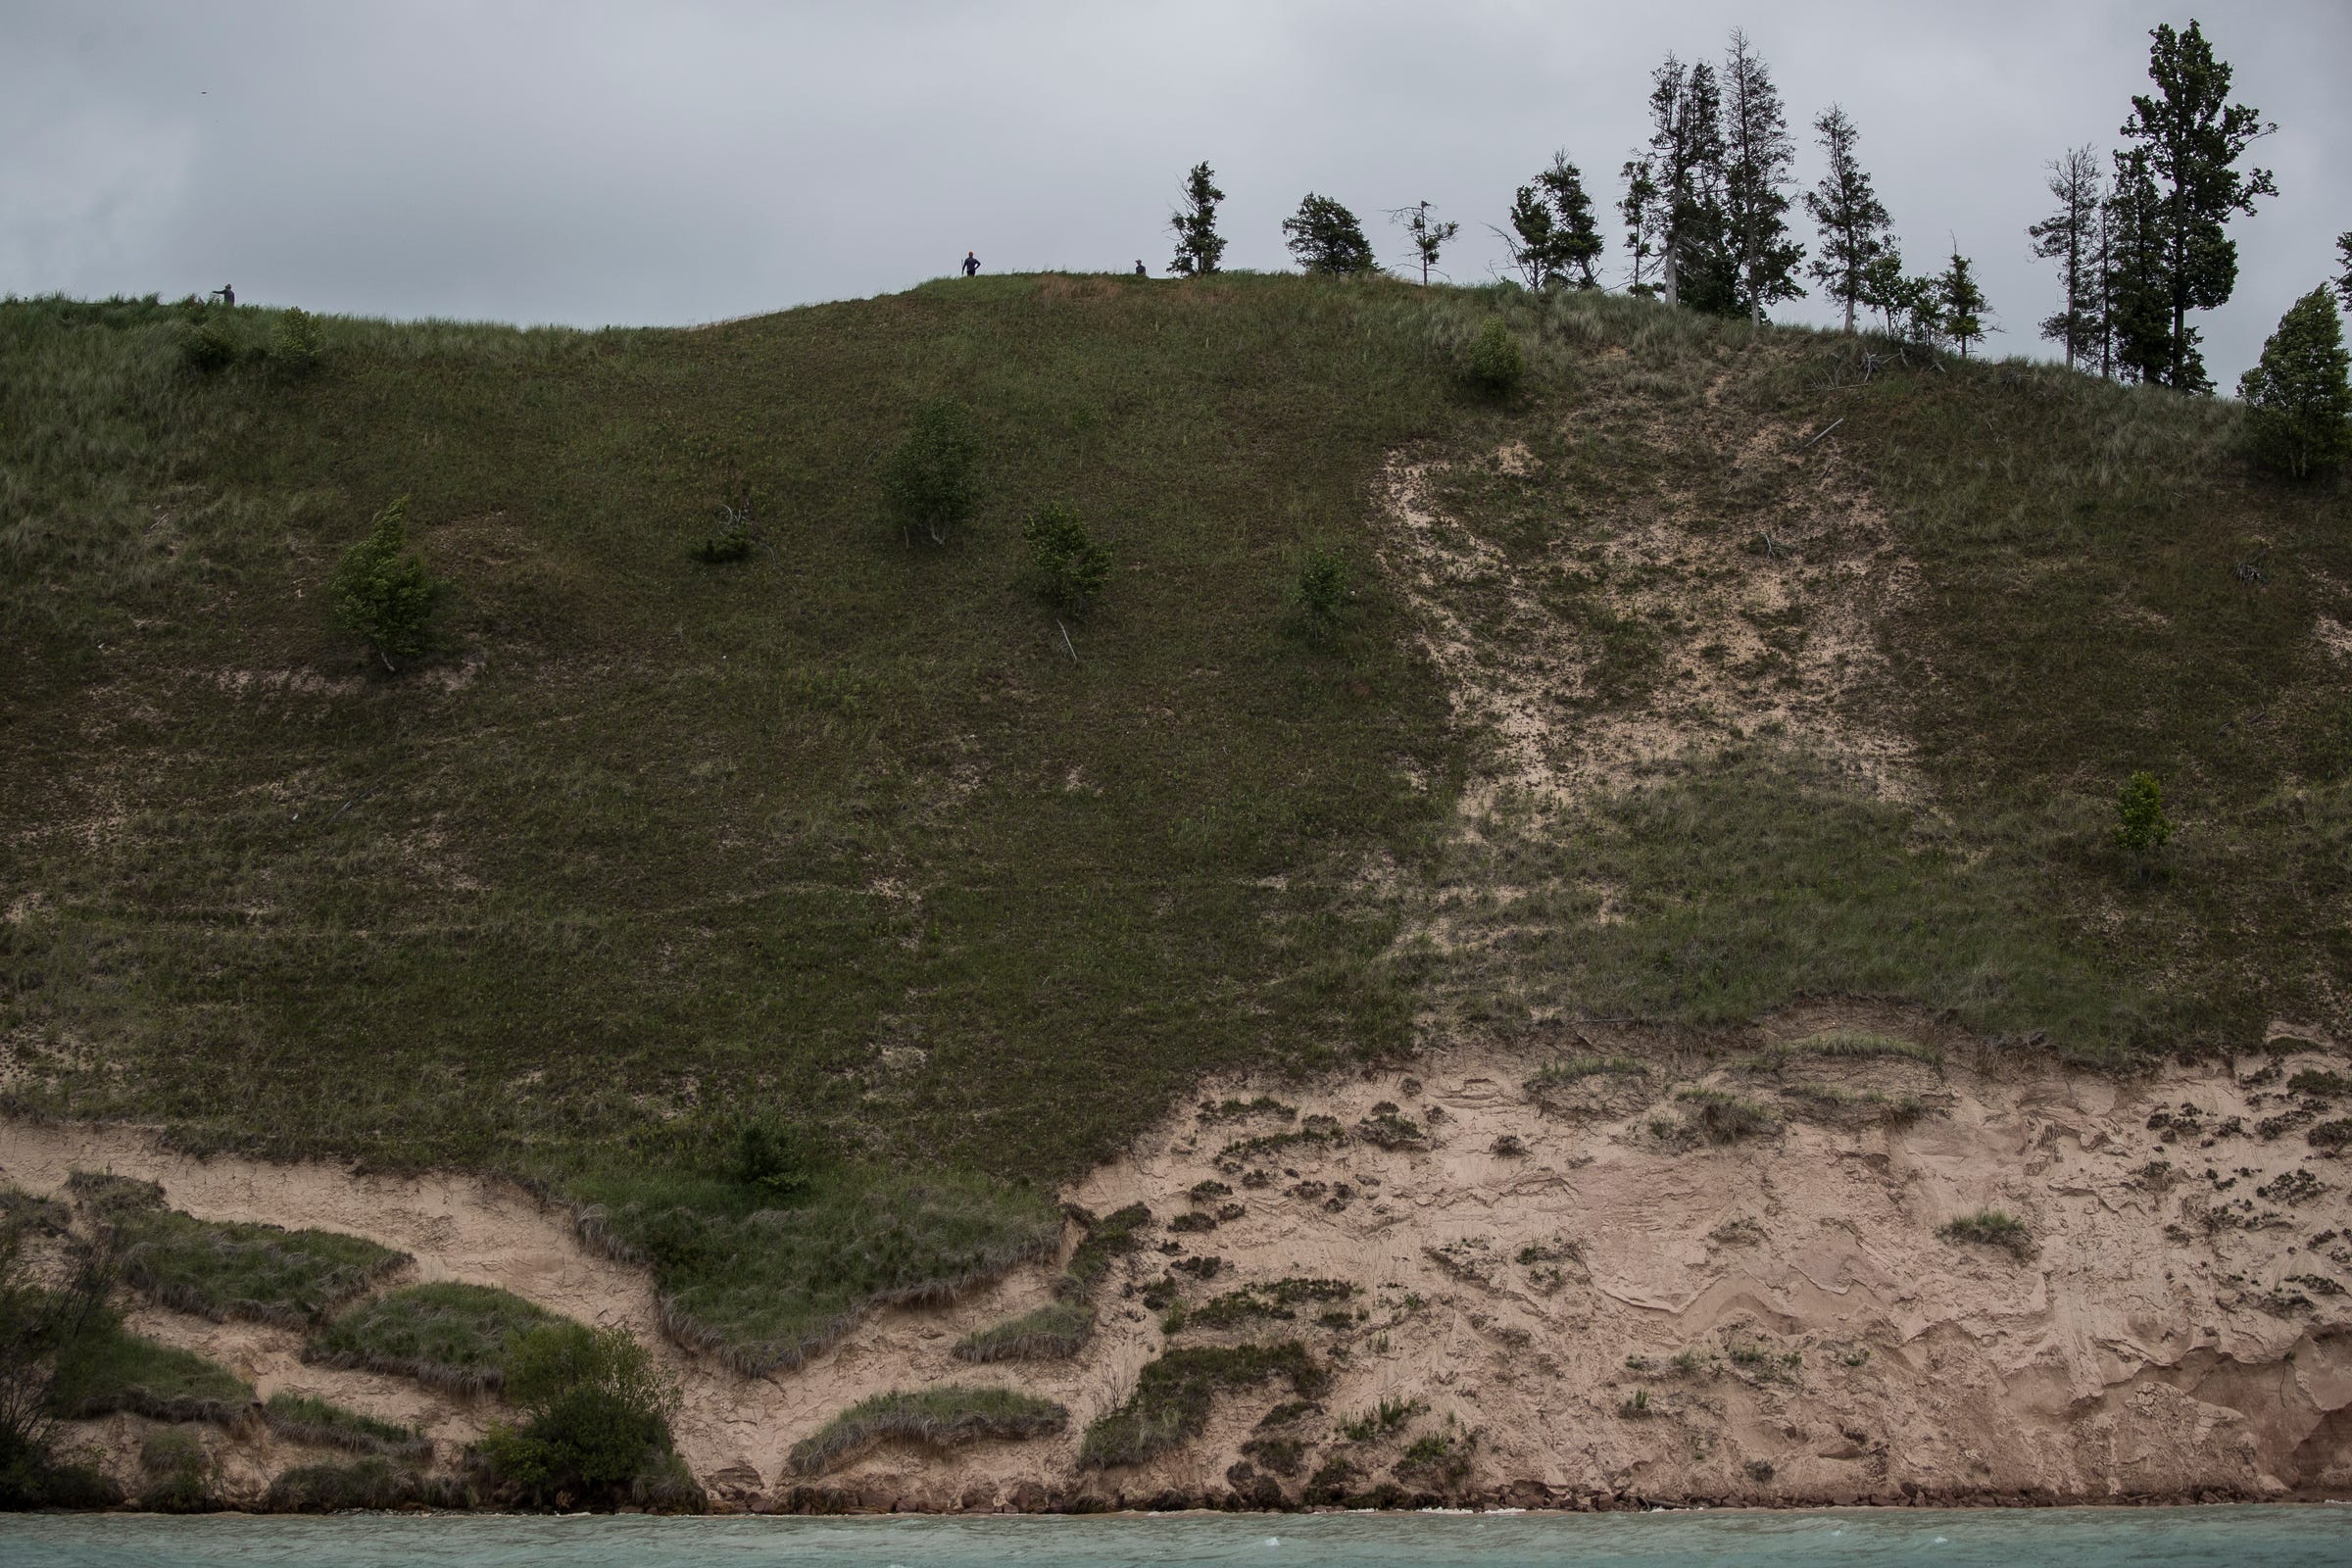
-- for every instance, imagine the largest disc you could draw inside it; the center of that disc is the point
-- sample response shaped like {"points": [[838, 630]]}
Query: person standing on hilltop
{"points": [[971, 265], [1139, 267]]}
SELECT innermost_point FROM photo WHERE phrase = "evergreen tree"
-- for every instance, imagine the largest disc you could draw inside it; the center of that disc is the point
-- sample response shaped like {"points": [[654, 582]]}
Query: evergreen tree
{"points": [[1553, 238], [1758, 158], [2299, 396], [1686, 165], [1854, 221], [1640, 209], [1960, 305], [2137, 320], [1325, 237], [2070, 237], [2193, 139], [1577, 242], [2343, 276], [1199, 245], [380, 592], [1429, 238]]}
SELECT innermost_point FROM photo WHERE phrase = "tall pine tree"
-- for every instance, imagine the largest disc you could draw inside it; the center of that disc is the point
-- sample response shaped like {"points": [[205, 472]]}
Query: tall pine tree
{"points": [[1429, 235], [2070, 237], [2194, 136], [1684, 166], [1553, 238], [2300, 397], [1853, 221], [1757, 159], [2139, 321], [2343, 267], [1641, 211], [1960, 305], [1199, 245]]}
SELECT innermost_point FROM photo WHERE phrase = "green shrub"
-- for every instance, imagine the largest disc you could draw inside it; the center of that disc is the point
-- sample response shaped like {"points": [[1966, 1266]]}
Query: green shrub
{"points": [[298, 347], [381, 594], [930, 480], [224, 1271], [109, 1200], [2299, 396], [1175, 1393], [596, 1414], [1071, 567], [938, 1418], [1496, 362], [450, 1335], [1113, 1235], [1320, 592], [1053, 1331], [208, 349], [774, 1160], [2140, 825], [324, 1424], [1990, 1227], [178, 1473]]}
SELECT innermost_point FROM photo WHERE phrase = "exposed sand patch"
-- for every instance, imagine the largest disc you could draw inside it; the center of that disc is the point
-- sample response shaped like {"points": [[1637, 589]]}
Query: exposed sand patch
{"points": [[2165, 1337]]}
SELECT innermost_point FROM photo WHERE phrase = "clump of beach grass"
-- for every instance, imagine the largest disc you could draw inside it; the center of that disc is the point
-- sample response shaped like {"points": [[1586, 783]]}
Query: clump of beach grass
{"points": [[1053, 1331], [938, 1418], [446, 1334]]}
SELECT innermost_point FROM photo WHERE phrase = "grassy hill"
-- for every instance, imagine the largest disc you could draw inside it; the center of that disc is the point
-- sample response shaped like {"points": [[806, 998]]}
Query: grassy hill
{"points": [[845, 837]]}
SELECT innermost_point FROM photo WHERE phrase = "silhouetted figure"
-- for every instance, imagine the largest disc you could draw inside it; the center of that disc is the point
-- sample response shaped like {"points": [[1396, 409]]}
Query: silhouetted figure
{"points": [[1139, 267], [226, 295], [971, 265]]}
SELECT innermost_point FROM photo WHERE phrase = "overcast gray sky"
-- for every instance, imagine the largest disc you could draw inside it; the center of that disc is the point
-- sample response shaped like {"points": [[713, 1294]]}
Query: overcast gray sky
{"points": [[591, 162]]}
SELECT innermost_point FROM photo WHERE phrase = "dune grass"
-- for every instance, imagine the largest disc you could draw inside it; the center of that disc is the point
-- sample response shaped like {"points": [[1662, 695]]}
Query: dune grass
{"points": [[1990, 1227], [449, 1335], [937, 1418], [765, 1287], [1053, 1331], [323, 1423], [108, 1369], [371, 1482], [1175, 1393], [222, 1270]]}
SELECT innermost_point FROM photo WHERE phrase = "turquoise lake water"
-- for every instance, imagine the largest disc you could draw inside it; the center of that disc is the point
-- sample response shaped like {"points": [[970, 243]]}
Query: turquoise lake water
{"points": [[2074, 1538]]}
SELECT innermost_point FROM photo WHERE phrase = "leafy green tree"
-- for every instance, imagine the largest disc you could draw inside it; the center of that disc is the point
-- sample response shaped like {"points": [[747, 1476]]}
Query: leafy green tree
{"points": [[1854, 221], [1960, 305], [1325, 237], [1199, 245], [1758, 159], [2299, 396], [2140, 825], [1496, 362], [1553, 238], [381, 594], [2070, 237], [2137, 320], [931, 480], [1071, 566], [298, 345], [2193, 137], [1429, 238], [596, 1414]]}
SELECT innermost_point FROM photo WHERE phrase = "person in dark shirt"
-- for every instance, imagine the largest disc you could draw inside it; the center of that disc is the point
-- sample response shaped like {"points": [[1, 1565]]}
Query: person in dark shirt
{"points": [[971, 265], [1139, 267], [226, 295]]}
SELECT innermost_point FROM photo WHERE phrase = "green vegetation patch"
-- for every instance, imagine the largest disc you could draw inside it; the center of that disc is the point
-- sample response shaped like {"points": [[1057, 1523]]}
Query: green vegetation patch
{"points": [[1990, 1227], [107, 1368], [109, 1199], [1576, 1069], [324, 1424], [938, 1418], [221, 1270], [766, 1287], [1717, 1117], [447, 1334], [373, 1482], [1116, 1235], [1053, 1331], [1175, 1393], [28, 1211], [1275, 1298], [1867, 1043]]}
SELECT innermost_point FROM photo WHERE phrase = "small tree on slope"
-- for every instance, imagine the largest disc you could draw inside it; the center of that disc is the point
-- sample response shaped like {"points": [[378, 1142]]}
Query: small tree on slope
{"points": [[1325, 237], [380, 592], [2068, 236], [1853, 221], [2298, 397], [1961, 306], [929, 480], [1199, 245]]}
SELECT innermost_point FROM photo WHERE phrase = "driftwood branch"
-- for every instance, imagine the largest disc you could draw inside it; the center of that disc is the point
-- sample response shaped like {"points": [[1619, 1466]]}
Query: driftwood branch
{"points": [[1832, 424]]}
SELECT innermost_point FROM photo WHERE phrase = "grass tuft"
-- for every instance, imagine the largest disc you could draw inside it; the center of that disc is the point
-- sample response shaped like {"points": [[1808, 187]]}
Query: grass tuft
{"points": [[324, 1424], [1053, 1331], [938, 1418], [111, 1369], [1990, 1227], [222, 1270], [445, 1333]]}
